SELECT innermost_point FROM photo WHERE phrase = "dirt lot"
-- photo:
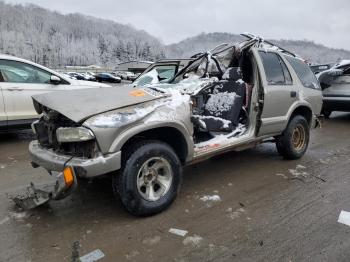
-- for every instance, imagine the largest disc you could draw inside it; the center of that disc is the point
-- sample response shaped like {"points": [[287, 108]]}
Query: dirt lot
{"points": [[269, 209]]}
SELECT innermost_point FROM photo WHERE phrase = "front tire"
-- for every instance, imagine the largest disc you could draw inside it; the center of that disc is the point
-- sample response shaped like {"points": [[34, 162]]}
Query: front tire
{"points": [[150, 178], [294, 141]]}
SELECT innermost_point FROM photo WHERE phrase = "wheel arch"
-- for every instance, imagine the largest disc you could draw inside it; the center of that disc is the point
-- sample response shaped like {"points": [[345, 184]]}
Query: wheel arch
{"points": [[302, 110], [175, 135]]}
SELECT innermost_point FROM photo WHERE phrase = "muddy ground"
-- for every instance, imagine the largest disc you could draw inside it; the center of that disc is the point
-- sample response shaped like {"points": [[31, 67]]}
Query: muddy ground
{"points": [[270, 209]]}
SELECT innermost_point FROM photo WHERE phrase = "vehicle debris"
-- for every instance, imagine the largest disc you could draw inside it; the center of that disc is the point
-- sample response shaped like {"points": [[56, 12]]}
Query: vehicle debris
{"points": [[344, 218], [31, 197], [92, 256], [178, 232]]}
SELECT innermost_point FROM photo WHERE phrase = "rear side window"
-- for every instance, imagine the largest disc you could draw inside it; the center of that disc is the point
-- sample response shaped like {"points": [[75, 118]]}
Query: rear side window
{"points": [[306, 76], [276, 71]]}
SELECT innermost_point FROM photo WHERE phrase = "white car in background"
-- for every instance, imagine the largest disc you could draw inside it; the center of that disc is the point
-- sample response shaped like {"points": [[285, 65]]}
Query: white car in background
{"points": [[127, 75], [21, 79]]}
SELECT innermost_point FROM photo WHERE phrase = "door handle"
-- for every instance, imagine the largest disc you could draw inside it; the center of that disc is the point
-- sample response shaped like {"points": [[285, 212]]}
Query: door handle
{"points": [[293, 94], [15, 89]]}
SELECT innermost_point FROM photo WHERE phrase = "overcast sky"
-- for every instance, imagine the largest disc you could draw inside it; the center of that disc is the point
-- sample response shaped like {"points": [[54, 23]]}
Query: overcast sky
{"points": [[323, 21]]}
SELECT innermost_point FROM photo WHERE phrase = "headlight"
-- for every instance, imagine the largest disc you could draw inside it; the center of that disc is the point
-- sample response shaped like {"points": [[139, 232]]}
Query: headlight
{"points": [[73, 134]]}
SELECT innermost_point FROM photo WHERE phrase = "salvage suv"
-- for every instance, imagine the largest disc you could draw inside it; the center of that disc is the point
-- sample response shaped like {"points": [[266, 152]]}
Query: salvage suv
{"points": [[240, 96]]}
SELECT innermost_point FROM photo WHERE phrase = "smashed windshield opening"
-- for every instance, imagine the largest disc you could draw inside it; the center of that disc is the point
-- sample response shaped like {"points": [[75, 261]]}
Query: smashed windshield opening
{"points": [[207, 65], [159, 74]]}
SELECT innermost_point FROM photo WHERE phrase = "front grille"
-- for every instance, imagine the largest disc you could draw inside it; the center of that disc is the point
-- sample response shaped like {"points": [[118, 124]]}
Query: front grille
{"points": [[46, 134]]}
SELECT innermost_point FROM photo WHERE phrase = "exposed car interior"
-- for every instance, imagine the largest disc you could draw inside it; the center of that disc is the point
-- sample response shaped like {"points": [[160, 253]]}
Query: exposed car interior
{"points": [[222, 107]]}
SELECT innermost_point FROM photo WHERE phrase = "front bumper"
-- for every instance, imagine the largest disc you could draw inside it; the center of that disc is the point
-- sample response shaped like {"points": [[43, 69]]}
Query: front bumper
{"points": [[85, 168], [65, 183]]}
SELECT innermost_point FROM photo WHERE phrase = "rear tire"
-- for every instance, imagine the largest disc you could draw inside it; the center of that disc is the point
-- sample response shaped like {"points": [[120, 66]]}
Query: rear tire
{"points": [[150, 178], [293, 142]]}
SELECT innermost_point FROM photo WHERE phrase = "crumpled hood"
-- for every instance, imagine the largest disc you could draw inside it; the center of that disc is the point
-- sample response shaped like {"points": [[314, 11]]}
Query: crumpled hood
{"points": [[79, 105]]}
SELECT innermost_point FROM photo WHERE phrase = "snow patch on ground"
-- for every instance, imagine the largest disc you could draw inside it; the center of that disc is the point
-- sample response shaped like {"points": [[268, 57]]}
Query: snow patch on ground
{"points": [[151, 240], [213, 198], [235, 214], [132, 254], [282, 175], [18, 216], [325, 161], [298, 174], [193, 241], [4, 220]]}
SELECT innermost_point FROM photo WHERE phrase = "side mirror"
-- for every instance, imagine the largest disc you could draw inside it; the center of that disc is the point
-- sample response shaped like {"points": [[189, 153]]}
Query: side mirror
{"points": [[55, 80]]}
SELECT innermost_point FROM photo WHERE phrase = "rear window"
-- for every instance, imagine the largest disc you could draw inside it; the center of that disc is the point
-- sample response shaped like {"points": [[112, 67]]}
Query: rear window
{"points": [[276, 71], [306, 76]]}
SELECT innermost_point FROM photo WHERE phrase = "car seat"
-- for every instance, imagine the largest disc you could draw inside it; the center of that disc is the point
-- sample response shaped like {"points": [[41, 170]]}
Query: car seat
{"points": [[232, 82], [222, 109]]}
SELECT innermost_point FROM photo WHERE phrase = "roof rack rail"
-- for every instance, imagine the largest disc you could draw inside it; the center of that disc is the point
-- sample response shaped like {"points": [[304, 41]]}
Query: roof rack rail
{"points": [[261, 40]]}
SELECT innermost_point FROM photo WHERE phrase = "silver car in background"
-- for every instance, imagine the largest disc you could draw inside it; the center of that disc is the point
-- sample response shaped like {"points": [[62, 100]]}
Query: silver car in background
{"points": [[335, 84]]}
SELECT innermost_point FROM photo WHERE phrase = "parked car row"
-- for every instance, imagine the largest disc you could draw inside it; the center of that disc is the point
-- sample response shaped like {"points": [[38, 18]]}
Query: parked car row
{"points": [[107, 77], [126, 75], [114, 77], [89, 76]]}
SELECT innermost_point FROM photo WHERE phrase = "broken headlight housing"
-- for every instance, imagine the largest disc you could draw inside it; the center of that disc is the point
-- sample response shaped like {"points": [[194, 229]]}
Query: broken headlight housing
{"points": [[73, 134]]}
